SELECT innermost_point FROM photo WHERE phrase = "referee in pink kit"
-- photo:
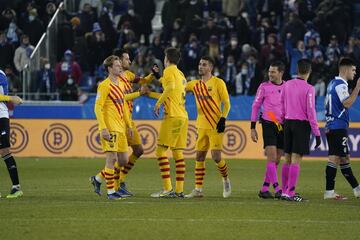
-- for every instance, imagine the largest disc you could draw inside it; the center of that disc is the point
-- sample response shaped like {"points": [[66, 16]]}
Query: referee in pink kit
{"points": [[298, 101]]}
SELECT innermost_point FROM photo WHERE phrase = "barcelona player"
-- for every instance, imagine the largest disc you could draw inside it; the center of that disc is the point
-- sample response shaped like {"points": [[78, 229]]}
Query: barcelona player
{"points": [[113, 121], [173, 128], [210, 93]]}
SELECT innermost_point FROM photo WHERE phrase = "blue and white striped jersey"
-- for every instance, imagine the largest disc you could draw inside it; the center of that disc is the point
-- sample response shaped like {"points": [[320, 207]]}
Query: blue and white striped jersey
{"points": [[4, 113], [337, 116]]}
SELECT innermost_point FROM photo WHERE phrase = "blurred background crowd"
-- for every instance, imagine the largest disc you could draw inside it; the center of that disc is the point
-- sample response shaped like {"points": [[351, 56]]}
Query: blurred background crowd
{"points": [[243, 36]]}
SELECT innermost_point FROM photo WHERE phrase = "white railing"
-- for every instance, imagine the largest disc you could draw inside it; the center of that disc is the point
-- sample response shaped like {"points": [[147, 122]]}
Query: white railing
{"points": [[45, 48]]}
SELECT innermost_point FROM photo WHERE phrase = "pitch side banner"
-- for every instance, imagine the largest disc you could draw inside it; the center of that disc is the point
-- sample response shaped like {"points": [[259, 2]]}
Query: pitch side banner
{"points": [[80, 138]]}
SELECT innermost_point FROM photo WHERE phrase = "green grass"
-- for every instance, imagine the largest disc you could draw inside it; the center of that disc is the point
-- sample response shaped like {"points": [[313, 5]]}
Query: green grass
{"points": [[58, 203]]}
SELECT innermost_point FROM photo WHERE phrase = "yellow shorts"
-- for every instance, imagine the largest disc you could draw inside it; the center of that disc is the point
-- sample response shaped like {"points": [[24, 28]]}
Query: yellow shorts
{"points": [[135, 140], [209, 139], [118, 143], [173, 133]]}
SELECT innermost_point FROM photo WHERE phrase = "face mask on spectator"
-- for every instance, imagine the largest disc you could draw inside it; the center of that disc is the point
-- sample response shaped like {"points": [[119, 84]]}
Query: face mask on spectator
{"points": [[131, 12], [31, 18], [233, 43], [126, 31], [47, 66], [244, 71], [67, 58], [173, 43], [70, 81]]}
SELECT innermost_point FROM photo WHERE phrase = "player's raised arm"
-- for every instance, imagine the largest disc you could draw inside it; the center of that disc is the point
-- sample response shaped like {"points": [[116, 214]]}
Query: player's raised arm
{"points": [[351, 99]]}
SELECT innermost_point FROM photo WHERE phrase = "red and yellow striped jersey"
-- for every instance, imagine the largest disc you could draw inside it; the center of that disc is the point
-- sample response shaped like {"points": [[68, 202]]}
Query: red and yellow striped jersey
{"points": [[209, 97], [126, 83], [109, 107], [173, 82]]}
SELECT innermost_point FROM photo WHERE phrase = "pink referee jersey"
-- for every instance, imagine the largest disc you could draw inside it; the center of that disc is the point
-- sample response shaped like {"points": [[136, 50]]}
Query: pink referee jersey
{"points": [[299, 103], [268, 95]]}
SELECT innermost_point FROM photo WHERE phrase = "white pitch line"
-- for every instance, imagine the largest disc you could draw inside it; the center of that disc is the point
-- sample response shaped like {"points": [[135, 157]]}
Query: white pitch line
{"points": [[191, 220]]}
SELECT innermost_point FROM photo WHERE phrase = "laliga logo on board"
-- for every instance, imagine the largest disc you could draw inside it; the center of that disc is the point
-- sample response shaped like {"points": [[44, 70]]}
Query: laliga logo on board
{"points": [[93, 140], [19, 137], [148, 136], [234, 140], [57, 138], [191, 140]]}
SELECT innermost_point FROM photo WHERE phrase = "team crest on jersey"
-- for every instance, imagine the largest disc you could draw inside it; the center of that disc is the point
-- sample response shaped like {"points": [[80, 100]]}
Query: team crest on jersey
{"points": [[209, 88]]}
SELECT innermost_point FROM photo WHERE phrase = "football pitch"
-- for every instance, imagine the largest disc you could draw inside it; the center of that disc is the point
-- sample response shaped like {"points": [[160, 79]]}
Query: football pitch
{"points": [[59, 203]]}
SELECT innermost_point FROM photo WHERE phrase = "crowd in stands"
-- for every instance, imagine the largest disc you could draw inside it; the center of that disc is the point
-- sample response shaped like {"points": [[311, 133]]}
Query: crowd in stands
{"points": [[243, 37]]}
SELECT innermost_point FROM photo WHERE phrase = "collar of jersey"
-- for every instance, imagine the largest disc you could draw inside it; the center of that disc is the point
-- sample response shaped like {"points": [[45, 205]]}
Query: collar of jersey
{"points": [[340, 78]]}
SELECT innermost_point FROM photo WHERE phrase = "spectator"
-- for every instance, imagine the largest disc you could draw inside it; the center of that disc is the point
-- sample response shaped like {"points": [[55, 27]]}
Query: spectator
{"points": [[295, 54], [229, 73], [271, 51], [97, 49], [67, 71], [232, 8], [193, 12], [210, 29], [213, 50], [311, 34], [169, 13], [69, 91], [107, 25], [320, 88], [49, 13], [233, 49], [192, 53], [15, 85], [296, 29], [6, 51], [96, 5], [145, 10], [242, 85], [138, 65], [45, 82], [34, 28], [7, 16], [87, 18], [12, 34], [333, 50], [156, 47], [22, 53]]}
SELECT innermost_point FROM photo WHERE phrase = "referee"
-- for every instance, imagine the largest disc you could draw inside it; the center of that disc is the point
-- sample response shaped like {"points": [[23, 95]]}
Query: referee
{"points": [[298, 100]]}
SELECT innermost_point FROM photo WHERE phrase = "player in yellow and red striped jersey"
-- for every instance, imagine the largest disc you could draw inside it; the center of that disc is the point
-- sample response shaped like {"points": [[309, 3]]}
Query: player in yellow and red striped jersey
{"points": [[173, 128], [113, 121], [210, 93], [126, 82]]}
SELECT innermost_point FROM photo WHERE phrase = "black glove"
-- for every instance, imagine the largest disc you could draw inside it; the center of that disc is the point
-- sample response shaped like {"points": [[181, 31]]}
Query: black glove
{"points": [[221, 125], [156, 74], [318, 141]]}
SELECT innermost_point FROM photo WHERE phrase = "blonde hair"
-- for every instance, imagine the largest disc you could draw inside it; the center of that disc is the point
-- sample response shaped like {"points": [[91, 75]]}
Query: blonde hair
{"points": [[109, 61]]}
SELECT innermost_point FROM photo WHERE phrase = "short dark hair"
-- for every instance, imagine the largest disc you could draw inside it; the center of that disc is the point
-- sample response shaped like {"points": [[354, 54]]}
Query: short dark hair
{"points": [[304, 66], [109, 61], [346, 62], [279, 64], [119, 52], [173, 55], [209, 59]]}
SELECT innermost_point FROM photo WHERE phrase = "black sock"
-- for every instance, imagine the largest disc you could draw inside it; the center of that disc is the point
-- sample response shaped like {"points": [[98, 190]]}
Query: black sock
{"points": [[348, 174], [12, 169], [330, 174]]}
